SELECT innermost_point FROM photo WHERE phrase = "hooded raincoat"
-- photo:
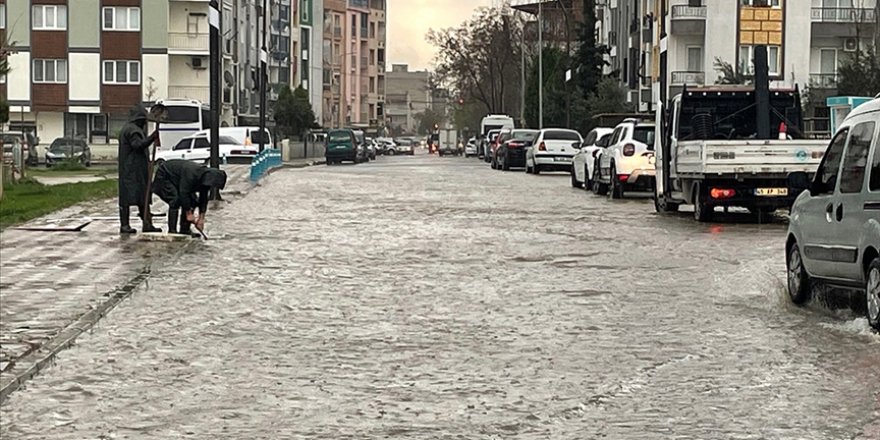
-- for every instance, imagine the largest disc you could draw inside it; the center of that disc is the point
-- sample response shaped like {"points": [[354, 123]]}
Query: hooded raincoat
{"points": [[185, 185], [134, 158]]}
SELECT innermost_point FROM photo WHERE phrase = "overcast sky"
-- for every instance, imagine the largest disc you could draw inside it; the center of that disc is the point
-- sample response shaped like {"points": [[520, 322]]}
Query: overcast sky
{"points": [[409, 21]]}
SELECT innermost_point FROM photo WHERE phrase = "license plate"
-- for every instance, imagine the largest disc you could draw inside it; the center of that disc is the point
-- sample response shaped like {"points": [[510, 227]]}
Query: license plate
{"points": [[562, 159], [771, 192], [341, 147]]}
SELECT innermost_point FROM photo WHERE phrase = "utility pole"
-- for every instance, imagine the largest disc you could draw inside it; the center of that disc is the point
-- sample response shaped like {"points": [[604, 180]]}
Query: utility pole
{"points": [[663, 52], [215, 49], [264, 58], [522, 98], [540, 65]]}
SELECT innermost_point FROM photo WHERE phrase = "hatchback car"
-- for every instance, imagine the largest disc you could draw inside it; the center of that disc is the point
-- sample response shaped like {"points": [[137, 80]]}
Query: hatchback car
{"points": [[511, 153], [553, 150], [584, 161], [834, 228], [72, 149]]}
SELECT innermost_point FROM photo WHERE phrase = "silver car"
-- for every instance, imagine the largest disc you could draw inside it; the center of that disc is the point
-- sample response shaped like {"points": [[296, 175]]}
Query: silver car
{"points": [[834, 232]]}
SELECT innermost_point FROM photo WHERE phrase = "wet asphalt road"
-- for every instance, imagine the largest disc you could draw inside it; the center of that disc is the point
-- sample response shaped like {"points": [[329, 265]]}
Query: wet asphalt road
{"points": [[423, 298]]}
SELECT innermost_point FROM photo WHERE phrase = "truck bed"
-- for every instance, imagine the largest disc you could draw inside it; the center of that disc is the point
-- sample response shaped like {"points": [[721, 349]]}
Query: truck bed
{"points": [[744, 159]]}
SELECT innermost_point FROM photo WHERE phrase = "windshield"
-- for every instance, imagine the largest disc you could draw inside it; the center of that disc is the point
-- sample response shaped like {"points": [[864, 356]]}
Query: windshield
{"points": [[644, 135], [525, 135], [64, 146], [561, 135], [178, 114]]}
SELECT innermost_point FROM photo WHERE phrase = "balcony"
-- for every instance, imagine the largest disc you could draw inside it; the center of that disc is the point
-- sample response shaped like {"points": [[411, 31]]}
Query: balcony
{"points": [[688, 20], [688, 78], [823, 80], [200, 93], [184, 43], [838, 22]]}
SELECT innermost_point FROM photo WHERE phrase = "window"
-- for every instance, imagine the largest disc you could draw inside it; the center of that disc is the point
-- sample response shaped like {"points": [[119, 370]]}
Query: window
{"points": [[746, 57], [826, 177], [49, 17], [875, 167], [192, 22], [50, 71], [201, 144], [695, 58], [372, 85], [372, 57], [2, 15], [305, 15], [183, 145], [122, 19], [372, 29], [773, 3], [852, 177], [354, 26], [122, 72]]}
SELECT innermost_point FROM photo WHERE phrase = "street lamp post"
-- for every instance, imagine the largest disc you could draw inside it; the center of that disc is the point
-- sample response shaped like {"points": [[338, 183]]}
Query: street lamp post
{"points": [[264, 59], [214, 18], [540, 65]]}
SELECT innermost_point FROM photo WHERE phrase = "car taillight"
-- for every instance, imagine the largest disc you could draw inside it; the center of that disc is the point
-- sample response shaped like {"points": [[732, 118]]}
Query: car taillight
{"points": [[515, 144], [542, 147], [722, 193], [623, 177], [629, 150]]}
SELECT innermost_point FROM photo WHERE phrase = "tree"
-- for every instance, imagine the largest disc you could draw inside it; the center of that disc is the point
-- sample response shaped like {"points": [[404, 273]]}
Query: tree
{"points": [[730, 74], [293, 112], [859, 75], [554, 90], [590, 58], [428, 119], [480, 60]]}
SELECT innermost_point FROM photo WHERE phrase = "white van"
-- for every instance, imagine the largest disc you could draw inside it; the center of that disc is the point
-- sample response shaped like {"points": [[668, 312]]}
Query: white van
{"points": [[492, 122], [248, 135]]}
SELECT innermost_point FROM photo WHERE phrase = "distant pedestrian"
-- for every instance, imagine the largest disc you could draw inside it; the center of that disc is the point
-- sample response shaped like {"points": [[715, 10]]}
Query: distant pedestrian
{"points": [[133, 161], [185, 186]]}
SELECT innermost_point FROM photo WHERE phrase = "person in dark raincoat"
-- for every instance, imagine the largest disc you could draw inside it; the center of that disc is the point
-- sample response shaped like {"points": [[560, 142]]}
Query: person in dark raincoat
{"points": [[133, 160], [185, 186]]}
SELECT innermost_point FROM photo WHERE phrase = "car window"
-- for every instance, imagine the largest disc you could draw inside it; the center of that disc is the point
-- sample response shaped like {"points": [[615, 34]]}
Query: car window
{"points": [[644, 135], [852, 176], [826, 176], [183, 144], [875, 167], [615, 137], [201, 143], [591, 138], [605, 139], [562, 135], [525, 135]]}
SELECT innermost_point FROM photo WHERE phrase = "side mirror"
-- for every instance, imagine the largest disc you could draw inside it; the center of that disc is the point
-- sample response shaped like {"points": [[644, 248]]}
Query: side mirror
{"points": [[577, 145], [799, 182]]}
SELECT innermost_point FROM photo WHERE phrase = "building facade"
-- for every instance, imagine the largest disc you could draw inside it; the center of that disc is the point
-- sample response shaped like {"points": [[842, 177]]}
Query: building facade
{"points": [[79, 65], [806, 41], [353, 63], [407, 94]]}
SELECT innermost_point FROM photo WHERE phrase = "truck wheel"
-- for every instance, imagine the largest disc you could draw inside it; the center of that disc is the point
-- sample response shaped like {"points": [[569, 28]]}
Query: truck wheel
{"points": [[702, 209], [574, 180], [662, 205], [872, 293], [799, 284], [616, 191]]}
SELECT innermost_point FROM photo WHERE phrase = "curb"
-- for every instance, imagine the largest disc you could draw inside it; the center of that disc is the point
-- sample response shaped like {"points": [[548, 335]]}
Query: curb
{"points": [[39, 359]]}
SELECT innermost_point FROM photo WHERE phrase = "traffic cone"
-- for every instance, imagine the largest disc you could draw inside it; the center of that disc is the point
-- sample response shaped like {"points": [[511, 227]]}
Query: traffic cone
{"points": [[782, 131]]}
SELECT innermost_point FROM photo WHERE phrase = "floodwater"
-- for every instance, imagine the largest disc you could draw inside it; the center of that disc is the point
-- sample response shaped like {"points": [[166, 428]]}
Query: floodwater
{"points": [[427, 298]]}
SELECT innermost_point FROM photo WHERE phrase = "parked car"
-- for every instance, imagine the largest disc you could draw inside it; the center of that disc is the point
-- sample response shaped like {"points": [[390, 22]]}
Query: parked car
{"points": [[9, 141], [470, 149], [502, 137], [197, 148], [489, 144], [553, 150], [628, 161], [834, 227], [66, 148], [342, 145], [372, 148], [246, 136], [583, 163], [512, 151], [29, 144], [403, 146]]}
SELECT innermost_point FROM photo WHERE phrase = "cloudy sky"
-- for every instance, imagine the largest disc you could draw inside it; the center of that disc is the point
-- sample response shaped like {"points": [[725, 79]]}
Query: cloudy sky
{"points": [[409, 21]]}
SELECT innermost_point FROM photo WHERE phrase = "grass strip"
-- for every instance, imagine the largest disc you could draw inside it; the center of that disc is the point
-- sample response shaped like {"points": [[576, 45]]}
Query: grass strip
{"points": [[29, 200]]}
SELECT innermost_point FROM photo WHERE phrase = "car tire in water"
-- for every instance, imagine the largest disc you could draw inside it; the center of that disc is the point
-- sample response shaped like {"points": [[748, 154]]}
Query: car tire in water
{"points": [[798, 281], [616, 190], [872, 293], [505, 166], [703, 211], [662, 205], [599, 188], [536, 169], [574, 180]]}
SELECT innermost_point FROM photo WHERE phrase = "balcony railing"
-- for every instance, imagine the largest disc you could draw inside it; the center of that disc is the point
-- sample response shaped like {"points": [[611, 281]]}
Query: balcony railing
{"points": [[688, 12], [201, 93], [843, 15], [823, 80], [184, 41], [690, 78]]}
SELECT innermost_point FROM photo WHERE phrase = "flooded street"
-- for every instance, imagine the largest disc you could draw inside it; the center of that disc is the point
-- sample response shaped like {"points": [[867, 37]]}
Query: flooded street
{"points": [[422, 298]]}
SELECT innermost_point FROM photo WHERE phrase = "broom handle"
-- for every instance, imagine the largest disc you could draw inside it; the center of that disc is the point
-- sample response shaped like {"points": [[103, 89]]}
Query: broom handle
{"points": [[148, 215]]}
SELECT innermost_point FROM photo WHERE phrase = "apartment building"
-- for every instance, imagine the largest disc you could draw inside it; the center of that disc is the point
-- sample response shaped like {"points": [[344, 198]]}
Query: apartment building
{"points": [[79, 65], [806, 41], [407, 94], [353, 63]]}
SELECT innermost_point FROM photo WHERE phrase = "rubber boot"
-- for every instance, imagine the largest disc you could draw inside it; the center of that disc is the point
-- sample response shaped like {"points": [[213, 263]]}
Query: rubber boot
{"points": [[124, 222], [148, 225], [172, 220]]}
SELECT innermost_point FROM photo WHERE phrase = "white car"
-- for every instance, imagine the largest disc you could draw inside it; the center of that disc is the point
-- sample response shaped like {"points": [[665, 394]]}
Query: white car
{"points": [[553, 150], [471, 148], [197, 148], [584, 161], [628, 161]]}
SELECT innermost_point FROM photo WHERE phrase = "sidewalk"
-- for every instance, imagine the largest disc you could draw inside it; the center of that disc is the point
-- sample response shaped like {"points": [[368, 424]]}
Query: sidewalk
{"points": [[51, 281]]}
